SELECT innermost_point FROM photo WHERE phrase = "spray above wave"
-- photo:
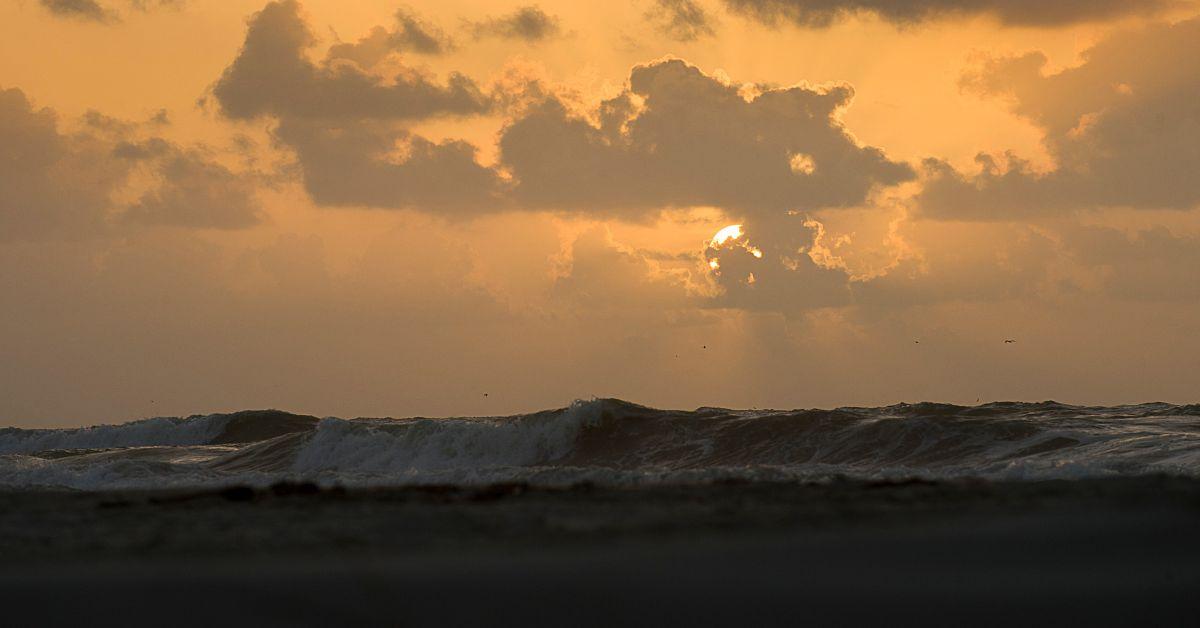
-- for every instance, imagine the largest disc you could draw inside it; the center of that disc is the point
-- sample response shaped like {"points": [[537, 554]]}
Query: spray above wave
{"points": [[612, 441]]}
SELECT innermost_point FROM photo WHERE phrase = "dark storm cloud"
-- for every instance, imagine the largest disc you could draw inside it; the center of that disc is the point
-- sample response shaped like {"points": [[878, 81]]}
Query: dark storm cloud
{"points": [[371, 164], [529, 23], [88, 10], [681, 20], [1123, 128], [272, 76], [677, 137], [1038, 13]]}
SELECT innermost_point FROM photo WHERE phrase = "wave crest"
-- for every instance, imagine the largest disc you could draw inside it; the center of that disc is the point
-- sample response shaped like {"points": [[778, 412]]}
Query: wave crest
{"points": [[608, 440]]}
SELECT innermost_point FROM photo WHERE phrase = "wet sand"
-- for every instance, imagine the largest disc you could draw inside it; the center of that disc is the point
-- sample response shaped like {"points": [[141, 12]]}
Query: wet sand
{"points": [[1102, 552]]}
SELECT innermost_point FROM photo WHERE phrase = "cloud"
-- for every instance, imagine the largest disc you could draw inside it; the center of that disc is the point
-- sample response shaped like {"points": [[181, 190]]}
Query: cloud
{"points": [[411, 34], [150, 5], [67, 185], [1151, 264], [191, 189], [273, 76], [677, 137], [971, 263], [375, 165], [1035, 13], [1123, 129], [674, 138], [346, 125], [773, 266], [681, 20], [87, 10], [529, 23], [796, 264], [54, 184], [368, 51], [604, 275], [93, 11], [415, 35]]}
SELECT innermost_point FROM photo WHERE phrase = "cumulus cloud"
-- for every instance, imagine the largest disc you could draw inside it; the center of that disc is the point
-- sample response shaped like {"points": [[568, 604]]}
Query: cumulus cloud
{"points": [[54, 184], [87, 10], [677, 137], [774, 264], [66, 185], [410, 34], [681, 20], [1122, 127], [346, 125], [99, 13], [529, 23], [1037, 13], [191, 189], [273, 76], [373, 164], [414, 34]]}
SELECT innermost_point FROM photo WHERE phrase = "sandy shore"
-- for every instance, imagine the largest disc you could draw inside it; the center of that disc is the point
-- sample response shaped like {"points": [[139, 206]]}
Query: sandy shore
{"points": [[1110, 552]]}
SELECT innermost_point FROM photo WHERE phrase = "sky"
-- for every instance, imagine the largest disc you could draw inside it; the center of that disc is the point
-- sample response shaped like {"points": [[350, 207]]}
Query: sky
{"points": [[481, 208]]}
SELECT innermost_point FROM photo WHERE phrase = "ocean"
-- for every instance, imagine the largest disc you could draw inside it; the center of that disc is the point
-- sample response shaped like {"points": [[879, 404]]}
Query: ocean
{"points": [[609, 442]]}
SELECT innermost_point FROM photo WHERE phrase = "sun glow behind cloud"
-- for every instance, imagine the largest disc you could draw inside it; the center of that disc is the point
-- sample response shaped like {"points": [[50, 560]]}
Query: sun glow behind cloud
{"points": [[729, 234], [732, 232]]}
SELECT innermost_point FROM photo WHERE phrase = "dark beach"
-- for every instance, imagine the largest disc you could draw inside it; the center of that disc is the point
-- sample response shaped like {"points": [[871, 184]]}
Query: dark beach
{"points": [[1116, 551]]}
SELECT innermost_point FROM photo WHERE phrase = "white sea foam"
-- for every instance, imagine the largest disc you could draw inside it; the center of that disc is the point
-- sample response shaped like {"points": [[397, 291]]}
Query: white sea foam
{"points": [[173, 431], [417, 445]]}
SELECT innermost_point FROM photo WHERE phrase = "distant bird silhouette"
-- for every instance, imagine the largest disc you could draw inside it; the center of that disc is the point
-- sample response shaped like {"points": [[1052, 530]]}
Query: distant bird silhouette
{"points": [[916, 342], [484, 394], [1010, 342], [704, 347]]}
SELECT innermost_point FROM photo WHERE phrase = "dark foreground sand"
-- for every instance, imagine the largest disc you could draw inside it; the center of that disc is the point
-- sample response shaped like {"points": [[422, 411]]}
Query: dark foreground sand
{"points": [[1102, 552]]}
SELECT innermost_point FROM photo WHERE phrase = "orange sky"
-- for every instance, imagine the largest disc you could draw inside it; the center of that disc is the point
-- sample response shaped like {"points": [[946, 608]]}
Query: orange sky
{"points": [[336, 236]]}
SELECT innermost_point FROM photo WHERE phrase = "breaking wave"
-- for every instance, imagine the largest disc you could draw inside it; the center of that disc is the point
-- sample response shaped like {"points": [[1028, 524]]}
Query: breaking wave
{"points": [[610, 441]]}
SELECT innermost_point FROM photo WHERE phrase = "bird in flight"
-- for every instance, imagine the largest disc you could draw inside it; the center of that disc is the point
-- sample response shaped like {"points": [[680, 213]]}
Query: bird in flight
{"points": [[1010, 342]]}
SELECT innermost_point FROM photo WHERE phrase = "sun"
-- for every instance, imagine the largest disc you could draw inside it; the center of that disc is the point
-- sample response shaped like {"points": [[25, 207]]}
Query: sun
{"points": [[732, 232]]}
